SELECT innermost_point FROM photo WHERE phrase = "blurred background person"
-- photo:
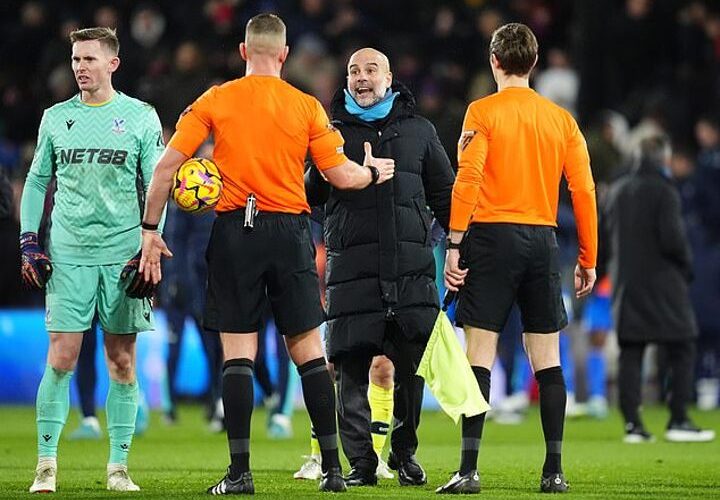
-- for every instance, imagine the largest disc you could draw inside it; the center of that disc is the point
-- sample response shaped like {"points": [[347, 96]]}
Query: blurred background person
{"points": [[11, 293], [183, 296], [700, 191], [559, 81], [278, 394], [650, 268], [597, 324]]}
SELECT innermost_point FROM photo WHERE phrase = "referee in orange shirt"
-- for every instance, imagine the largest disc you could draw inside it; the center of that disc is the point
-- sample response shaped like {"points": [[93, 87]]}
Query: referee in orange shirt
{"points": [[514, 147], [263, 128]]}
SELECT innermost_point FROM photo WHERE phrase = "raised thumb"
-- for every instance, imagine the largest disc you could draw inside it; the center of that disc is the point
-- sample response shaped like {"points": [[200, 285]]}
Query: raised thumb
{"points": [[368, 152]]}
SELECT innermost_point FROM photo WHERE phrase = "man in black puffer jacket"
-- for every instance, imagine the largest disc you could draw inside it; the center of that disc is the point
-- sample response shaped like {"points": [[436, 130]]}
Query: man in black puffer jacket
{"points": [[381, 294]]}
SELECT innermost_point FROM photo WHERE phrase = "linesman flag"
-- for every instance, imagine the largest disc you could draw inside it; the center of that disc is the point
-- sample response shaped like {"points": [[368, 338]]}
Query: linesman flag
{"points": [[447, 373]]}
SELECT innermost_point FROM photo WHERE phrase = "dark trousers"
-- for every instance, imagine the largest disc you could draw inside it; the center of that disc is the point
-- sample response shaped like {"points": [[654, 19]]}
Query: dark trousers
{"points": [[353, 408], [262, 370], [681, 364], [213, 352], [509, 345]]}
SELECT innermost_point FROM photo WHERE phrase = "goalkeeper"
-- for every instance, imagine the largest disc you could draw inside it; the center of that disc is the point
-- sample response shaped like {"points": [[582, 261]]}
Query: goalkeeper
{"points": [[98, 144]]}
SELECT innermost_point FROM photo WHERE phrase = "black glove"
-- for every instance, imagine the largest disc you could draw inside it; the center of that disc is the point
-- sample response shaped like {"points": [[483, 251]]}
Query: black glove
{"points": [[36, 267], [138, 288]]}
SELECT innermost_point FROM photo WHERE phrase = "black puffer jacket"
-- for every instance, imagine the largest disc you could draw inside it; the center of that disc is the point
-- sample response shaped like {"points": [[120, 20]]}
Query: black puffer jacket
{"points": [[380, 265]]}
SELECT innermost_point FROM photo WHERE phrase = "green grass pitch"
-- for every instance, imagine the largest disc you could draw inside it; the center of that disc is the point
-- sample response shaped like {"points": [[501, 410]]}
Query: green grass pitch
{"points": [[183, 460]]}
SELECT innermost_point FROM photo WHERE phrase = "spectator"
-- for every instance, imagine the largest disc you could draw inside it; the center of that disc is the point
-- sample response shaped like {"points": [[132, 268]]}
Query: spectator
{"points": [[11, 292], [704, 189], [559, 81], [650, 267], [186, 81]]}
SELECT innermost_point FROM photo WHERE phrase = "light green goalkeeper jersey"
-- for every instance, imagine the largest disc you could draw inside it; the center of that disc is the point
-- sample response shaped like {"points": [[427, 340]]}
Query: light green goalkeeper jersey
{"points": [[97, 153]]}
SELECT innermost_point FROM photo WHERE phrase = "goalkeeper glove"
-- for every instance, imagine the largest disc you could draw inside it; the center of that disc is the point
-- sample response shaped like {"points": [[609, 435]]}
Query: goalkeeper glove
{"points": [[138, 287], [36, 267]]}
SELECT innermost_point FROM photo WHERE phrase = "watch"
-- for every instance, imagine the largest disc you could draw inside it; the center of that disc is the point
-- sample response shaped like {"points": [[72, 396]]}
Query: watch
{"points": [[452, 246], [374, 174]]}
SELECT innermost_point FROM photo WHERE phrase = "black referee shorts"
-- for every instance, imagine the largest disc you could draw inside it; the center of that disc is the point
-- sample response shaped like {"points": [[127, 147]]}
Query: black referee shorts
{"points": [[510, 263], [275, 261]]}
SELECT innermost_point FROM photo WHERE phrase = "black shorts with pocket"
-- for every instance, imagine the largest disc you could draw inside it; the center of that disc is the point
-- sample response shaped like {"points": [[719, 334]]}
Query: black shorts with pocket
{"points": [[510, 263], [275, 261]]}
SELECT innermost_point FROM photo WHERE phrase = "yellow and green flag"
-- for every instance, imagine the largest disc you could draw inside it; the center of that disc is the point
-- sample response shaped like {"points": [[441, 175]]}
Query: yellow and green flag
{"points": [[447, 373]]}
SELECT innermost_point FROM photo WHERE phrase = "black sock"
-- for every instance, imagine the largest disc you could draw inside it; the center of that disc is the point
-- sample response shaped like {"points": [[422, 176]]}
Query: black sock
{"points": [[237, 394], [472, 427], [319, 395], [553, 398]]}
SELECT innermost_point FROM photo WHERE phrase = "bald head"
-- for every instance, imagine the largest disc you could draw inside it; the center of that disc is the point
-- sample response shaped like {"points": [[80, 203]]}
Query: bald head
{"points": [[368, 54], [369, 76]]}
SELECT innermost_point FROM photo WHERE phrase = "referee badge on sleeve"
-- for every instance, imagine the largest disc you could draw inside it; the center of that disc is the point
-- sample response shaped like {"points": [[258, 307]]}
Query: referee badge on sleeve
{"points": [[465, 138]]}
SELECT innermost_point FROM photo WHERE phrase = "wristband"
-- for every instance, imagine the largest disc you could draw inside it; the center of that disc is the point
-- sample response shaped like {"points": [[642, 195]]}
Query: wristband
{"points": [[452, 246], [150, 227], [28, 238], [374, 174]]}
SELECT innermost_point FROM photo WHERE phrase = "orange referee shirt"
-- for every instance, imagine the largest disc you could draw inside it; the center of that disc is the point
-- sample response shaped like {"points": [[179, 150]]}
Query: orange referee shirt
{"points": [[514, 147], [263, 128]]}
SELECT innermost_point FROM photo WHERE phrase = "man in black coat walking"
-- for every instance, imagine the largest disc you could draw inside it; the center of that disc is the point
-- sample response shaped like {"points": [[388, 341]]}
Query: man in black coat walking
{"points": [[381, 293], [650, 267]]}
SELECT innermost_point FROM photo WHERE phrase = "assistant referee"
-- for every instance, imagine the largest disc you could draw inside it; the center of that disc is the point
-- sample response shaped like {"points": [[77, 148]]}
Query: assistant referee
{"points": [[514, 148], [263, 128]]}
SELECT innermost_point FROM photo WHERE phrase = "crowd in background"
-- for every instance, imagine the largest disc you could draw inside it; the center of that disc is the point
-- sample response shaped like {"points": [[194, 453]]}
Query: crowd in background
{"points": [[624, 68], [650, 60]]}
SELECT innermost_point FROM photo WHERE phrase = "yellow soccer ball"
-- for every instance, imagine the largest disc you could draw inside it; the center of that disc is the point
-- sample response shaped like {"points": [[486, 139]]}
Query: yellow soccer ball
{"points": [[197, 185]]}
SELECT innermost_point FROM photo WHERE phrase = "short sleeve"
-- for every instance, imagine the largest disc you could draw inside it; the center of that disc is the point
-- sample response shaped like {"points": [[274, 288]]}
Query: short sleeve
{"points": [[326, 142], [194, 124]]}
